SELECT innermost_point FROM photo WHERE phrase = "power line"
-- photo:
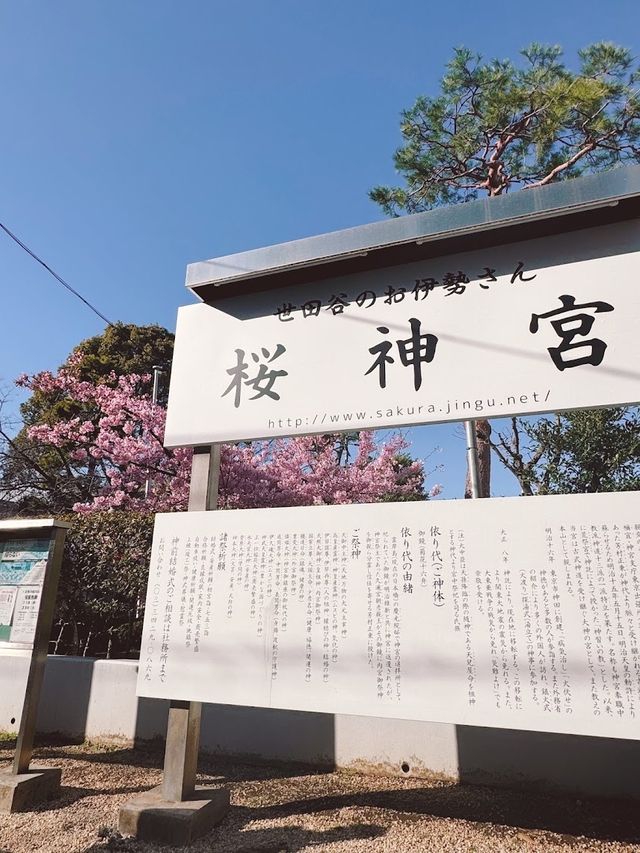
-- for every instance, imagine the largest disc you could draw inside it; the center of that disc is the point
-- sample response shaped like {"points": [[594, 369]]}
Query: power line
{"points": [[54, 274]]}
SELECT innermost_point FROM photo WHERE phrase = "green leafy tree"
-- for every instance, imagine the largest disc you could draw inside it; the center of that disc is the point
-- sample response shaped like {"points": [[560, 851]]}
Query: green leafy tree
{"points": [[402, 463], [499, 126], [35, 479], [121, 349], [595, 450], [102, 583]]}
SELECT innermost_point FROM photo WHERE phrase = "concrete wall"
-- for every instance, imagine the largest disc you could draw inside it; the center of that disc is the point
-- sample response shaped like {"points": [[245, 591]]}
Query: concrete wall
{"points": [[95, 699]]}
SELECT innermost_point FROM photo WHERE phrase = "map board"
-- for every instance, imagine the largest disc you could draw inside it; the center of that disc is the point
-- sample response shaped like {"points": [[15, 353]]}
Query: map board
{"points": [[516, 613], [23, 564], [537, 326]]}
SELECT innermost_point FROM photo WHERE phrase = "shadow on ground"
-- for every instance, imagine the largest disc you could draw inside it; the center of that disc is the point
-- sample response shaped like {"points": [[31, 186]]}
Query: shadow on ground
{"points": [[150, 755], [375, 804], [276, 840], [598, 819], [610, 821]]}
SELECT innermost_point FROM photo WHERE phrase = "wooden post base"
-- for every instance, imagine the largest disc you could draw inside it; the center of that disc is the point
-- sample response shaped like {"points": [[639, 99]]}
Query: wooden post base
{"points": [[149, 817], [20, 791]]}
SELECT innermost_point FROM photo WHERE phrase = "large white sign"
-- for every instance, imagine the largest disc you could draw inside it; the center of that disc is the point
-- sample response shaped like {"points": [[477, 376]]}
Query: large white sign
{"points": [[516, 612], [537, 326]]}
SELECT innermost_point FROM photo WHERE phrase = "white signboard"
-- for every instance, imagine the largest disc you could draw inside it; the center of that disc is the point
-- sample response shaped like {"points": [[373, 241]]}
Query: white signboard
{"points": [[543, 325], [516, 612]]}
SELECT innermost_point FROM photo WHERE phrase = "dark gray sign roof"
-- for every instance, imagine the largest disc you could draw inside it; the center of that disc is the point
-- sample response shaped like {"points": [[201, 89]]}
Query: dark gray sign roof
{"points": [[599, 199]]}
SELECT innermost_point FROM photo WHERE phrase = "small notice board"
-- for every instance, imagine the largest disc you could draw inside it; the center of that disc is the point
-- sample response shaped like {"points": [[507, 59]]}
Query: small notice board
{"points": [[23, 563], [30, 561]]}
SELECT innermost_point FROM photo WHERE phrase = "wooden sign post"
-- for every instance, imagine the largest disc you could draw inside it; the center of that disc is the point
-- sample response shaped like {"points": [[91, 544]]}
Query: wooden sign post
{"points": [[30, 561], [178, 811]]}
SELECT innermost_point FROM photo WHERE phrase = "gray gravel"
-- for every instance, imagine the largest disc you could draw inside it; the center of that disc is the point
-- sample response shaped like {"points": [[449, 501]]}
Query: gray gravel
{"points": [[284, 808]]}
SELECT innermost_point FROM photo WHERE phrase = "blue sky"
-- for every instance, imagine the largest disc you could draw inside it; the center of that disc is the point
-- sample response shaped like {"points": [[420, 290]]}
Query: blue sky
{"points": [[141, 136]]}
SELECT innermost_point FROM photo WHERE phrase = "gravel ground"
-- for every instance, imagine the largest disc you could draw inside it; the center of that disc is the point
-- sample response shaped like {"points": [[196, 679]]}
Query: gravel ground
{"points": [[278, 808]]}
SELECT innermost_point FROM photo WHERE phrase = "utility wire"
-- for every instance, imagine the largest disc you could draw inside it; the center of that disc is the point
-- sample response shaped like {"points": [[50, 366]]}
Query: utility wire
{"points": [[54, 274]]}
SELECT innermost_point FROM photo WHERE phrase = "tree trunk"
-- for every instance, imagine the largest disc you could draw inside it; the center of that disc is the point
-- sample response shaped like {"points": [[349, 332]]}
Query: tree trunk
{"points": [[483, 431]]}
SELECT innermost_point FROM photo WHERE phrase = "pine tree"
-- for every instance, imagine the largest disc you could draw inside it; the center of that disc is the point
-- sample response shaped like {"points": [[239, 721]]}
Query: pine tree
{"points": [[501, 126]]}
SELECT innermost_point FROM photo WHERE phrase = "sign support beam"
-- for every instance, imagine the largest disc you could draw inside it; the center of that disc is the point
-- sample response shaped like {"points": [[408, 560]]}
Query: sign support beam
{"points": [[183, 730], [472, 457], [177, 811]]}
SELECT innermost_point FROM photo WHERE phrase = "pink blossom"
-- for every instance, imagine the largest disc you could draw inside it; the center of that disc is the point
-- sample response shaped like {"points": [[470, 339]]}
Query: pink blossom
{"points": [[120, 445]]}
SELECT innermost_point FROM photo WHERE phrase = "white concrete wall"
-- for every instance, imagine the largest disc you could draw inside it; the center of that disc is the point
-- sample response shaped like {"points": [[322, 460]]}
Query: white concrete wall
{"points": [[95, 699]]}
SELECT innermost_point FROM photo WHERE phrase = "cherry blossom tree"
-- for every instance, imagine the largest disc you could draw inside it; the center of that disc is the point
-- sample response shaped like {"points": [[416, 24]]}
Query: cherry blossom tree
{"points": [[115, 443]]}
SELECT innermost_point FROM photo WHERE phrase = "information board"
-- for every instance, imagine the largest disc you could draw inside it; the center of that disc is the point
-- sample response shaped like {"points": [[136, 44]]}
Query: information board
{"points": [[537, 326], [23, 564], [515, 612]]}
